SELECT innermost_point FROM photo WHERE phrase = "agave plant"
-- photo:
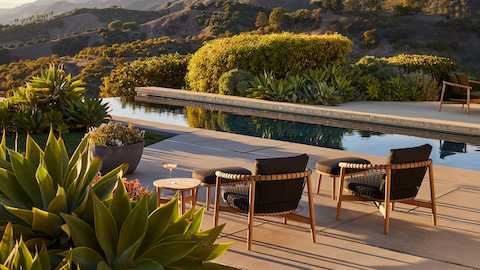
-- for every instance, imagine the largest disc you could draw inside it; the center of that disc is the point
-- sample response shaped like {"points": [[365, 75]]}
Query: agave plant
{"points": [[132, 235], [90, 112], [268, 87], [39, 185], [52, 88], [15, 255]]}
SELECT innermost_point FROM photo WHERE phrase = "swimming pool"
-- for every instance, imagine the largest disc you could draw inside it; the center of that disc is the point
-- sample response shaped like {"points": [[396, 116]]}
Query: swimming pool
{"points": [[448, 149]]}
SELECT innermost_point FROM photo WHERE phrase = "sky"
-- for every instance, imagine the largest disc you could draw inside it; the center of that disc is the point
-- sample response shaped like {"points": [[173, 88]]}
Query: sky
{"points": [[13, 3]]}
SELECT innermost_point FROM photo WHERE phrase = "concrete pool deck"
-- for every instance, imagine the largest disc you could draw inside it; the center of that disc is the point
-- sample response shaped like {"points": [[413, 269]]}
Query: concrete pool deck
{"points": [[418, 115], [357, 241]]}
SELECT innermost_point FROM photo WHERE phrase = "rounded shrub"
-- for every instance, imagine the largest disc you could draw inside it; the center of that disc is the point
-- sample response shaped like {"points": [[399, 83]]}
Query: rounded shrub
{"points": [[277, 53], [166, 71], [439, 67], [235, 82]]}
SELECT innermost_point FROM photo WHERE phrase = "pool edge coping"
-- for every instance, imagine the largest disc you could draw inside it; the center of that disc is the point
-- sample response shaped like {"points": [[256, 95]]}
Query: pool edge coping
{"points": [[444, 126]]}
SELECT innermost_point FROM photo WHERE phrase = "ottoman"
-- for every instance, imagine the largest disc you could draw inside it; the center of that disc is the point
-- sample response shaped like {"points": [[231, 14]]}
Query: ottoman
{"points": [[329, 167], [208, 178]]}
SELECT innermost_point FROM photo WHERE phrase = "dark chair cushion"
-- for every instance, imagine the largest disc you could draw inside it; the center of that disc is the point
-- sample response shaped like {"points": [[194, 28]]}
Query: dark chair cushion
{"points": [[453, 91], [330, 166], [407, 182], [271, 196], [369, 186], [463, 79], [461, 93], [237, 196], [207, 176], [279, 196]]}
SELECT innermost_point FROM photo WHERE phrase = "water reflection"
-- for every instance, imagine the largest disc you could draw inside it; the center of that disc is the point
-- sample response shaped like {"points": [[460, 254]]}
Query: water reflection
{"points": [[317, 135], [451, 148]]}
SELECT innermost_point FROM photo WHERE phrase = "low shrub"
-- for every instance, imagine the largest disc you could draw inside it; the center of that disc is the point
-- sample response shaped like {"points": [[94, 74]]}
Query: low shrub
{"points": [[235, 82], [165, 70], [277, 53], [437, 66], [397, 86]]}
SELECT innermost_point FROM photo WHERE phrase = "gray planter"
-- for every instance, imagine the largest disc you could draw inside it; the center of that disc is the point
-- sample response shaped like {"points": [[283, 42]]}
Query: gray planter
{"points": [[114, 156]]}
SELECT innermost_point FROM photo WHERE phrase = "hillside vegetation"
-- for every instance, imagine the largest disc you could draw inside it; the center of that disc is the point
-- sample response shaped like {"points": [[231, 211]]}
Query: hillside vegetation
{"points": [[93, 42]]}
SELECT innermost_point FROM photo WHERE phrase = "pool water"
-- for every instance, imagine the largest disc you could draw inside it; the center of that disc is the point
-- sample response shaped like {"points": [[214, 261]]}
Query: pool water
{"points": [[446, 151]]}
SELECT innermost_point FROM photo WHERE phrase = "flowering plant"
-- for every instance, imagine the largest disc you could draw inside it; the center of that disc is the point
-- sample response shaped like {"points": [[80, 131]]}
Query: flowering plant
{"points": [[135, 189], [115, 134]]}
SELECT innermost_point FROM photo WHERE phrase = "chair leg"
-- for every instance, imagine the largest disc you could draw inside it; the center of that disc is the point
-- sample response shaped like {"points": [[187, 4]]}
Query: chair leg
{"points": [[285, 220], [311, 208], [468, 100], [217, 202], [387, 202], [432, 196], [334, 183], [340, 193], [442, 96], [208, 192], [319, 182], [251, 214], [393, 206]]}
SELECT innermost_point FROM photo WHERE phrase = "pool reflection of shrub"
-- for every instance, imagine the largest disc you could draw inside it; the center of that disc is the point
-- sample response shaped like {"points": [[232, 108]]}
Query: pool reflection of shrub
{"points": [[317, 135]]}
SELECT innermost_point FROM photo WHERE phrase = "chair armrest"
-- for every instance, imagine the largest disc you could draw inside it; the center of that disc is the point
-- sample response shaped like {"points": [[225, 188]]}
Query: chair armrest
{"points": [[402, 166], [474, 82], [275, 177], [412, 165], [457, 85], [358, 166]]}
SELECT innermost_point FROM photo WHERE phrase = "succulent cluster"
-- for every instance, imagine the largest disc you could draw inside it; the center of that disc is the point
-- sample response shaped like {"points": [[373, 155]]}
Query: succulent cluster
{"points": [[52, 98], [115, 134]]}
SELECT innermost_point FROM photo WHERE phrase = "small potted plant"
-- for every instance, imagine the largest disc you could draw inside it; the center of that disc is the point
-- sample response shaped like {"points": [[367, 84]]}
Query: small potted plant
{"points": [[116, 144]]}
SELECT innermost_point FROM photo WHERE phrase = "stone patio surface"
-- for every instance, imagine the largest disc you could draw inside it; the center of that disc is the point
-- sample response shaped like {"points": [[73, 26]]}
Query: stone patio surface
{"points": [[426, 110], [355, 242]]}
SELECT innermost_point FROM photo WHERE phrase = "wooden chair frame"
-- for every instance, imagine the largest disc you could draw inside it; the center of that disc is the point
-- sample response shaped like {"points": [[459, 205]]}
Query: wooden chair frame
{"points": [[208, 193], [334, 182], [467, 88], [386, 209], [229, 179]]}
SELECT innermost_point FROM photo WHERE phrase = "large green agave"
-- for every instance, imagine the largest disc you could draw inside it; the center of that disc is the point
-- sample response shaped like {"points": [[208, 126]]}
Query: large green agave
{"points": [[132, 235], [38, 185], [15, 255]]}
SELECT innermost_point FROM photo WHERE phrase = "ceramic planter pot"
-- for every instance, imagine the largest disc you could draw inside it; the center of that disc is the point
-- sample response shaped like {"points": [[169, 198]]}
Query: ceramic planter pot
{"points": [[114, 156]]}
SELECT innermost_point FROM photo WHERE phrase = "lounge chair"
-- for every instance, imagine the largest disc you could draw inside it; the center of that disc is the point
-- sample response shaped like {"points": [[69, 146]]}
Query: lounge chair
{"points": [[275, 189], [395, 182], [460, 90]]}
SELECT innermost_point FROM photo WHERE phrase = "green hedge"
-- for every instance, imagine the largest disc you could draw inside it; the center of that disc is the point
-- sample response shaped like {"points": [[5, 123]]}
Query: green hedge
{"points": [[277, 53], [167, 71], [437, 66]]}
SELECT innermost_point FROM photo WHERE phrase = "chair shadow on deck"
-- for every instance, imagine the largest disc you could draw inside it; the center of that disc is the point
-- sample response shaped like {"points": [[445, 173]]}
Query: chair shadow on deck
{"points": [[363, 232]]}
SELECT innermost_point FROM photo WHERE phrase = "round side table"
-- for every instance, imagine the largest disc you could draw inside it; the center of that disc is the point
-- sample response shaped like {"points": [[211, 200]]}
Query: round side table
{"points": [[182, 185]]}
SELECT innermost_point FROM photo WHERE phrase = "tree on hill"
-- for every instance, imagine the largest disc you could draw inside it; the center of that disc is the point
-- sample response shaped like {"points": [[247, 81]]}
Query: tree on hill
{"points": [[335, 5], [262, 20], [115, 25], [277, 19], [130, 26], [459, 9]]}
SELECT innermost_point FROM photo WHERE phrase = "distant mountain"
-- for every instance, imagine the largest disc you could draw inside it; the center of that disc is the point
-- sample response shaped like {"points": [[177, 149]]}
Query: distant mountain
{"points": [[7, 16]]}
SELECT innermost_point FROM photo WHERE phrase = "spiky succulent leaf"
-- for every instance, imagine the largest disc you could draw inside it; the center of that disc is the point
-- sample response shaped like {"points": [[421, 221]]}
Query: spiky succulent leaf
{"points": [[38, 185]]}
